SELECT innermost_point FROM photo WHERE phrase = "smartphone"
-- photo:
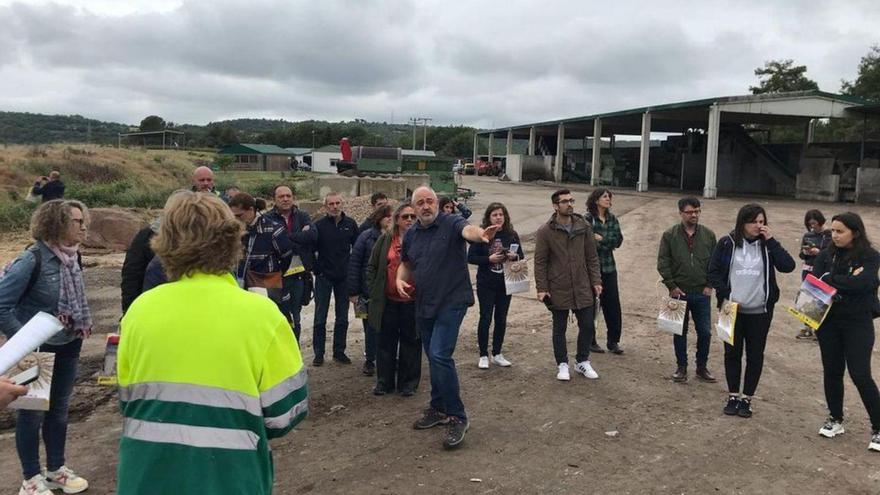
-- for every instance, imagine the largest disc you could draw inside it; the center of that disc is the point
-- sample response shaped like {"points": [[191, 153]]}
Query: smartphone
{"points": [[27, 376], [547, 302]]}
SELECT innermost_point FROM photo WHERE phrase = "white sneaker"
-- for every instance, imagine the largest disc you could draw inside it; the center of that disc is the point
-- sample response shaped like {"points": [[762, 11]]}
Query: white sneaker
{"points": [[587, 370], [832, 428], [875, 442], [563, 373], [66, 480], [34, 486], [484, 363], [500, 361]]}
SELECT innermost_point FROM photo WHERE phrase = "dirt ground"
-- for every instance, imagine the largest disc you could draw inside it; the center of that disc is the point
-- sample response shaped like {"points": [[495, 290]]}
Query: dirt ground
{"points": [[530, 433]]}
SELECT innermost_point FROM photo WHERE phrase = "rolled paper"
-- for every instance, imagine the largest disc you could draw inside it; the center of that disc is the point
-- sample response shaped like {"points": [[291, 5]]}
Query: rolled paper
{"points": [[33, 334]]}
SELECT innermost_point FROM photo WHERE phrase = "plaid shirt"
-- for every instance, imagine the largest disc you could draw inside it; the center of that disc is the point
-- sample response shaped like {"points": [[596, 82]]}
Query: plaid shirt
{"points": [[266, 247], [612, 238]]}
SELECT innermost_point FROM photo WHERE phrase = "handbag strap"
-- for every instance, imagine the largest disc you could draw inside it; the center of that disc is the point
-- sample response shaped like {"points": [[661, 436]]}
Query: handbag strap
{"points": [[247, 259]]}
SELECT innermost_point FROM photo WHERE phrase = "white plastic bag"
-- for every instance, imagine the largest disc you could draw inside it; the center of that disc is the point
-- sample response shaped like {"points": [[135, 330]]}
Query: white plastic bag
{"points": [[670, 318], [516, 277]]}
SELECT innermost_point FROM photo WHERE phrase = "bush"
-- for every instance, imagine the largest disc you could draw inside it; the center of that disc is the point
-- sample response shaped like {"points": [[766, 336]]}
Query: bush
{"points": [[119, 193], [16, 215]]}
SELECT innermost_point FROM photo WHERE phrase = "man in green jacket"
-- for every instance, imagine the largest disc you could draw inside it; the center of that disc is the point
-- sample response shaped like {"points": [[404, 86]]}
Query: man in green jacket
{"points": [[683, 262]]}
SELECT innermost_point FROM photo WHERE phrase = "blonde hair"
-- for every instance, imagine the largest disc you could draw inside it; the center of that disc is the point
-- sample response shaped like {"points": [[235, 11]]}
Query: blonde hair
{"points": [[51, 221], [198, 234]]}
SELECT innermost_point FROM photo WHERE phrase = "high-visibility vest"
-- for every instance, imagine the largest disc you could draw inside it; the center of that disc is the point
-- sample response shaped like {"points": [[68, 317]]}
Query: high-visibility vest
{"points": [[208, 373]]}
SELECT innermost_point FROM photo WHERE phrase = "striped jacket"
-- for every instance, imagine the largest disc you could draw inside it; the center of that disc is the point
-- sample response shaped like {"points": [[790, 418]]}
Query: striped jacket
{"points": [[208, 373]]}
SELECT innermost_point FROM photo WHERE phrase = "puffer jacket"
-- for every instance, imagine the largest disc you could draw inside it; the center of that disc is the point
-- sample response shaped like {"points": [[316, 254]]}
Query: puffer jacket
{"points": [[17, 308], [356, 282], [566, 264]]}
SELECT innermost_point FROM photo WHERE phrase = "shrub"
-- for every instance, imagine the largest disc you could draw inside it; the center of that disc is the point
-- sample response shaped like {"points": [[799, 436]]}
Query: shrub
{"points": [[16, 215]]}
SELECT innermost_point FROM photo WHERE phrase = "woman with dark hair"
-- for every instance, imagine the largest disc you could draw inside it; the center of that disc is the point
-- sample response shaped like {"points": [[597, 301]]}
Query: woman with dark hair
{"points": [[48, 277], [453, 207], [743, 270], [846, 337], [491, 291], [815, 240], [399, 357], [606, 230], [356, 280], [267, 248]]}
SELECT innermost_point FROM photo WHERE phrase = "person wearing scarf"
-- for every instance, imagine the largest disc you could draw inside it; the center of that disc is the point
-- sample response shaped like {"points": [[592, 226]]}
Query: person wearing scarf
{"points": [[58, 226]]}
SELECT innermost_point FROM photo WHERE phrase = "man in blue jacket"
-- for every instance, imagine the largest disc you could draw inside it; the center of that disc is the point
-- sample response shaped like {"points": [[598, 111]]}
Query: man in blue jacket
{"points": [[331, 238]]}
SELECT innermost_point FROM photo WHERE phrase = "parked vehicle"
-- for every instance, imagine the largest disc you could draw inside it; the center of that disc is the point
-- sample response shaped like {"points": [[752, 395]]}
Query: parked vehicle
{"points": [[486, 168], [468, 169]]}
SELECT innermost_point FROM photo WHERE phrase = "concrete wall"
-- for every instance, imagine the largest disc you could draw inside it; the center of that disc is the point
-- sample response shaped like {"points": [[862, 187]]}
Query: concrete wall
{"points": [[868, 185], [278, 163], [346, 186], [394, 188], [414, 181], [514, 167], [537, 167], [817, 187], [321, 161]]}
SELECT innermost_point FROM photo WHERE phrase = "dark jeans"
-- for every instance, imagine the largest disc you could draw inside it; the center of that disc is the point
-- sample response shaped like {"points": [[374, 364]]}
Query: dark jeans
{"points": [[610, 302], [369, 341], [848, 343], [750, 332], [399, 360], [492, 300], [439, 336], [293, 293], [699, 307], [586, 332], [54, 421], [323, 288]]}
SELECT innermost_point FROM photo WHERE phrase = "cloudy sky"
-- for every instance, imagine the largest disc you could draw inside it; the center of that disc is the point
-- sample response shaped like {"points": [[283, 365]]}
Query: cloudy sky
{"points": [[459, 62]]}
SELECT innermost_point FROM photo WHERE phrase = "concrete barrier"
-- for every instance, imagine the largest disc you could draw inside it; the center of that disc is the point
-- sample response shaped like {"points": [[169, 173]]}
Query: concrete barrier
{"points": [[346, 186], [868, 185], [414, 181], [392, 187]]}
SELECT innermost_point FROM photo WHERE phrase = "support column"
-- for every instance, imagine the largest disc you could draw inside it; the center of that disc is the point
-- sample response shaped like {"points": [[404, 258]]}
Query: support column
{"points": [[532, 133], [644, 153], [560, 151], [710, 190], [476, 149], [597, 152], [810, 131], [491, 150], [510, 141]]}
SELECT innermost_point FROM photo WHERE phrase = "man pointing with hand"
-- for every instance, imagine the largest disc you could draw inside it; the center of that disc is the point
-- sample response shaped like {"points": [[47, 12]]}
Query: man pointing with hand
{"points": [[434, 270]]}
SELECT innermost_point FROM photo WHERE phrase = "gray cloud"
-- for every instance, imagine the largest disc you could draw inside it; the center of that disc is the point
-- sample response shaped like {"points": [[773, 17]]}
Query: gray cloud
{"points": [[479, 63]]}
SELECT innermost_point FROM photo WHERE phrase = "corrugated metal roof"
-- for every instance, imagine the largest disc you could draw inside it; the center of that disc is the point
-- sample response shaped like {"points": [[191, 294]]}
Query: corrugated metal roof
{"points": [[330, 148], [262, 149], [693, 104], [425, 153], [299, 151]]}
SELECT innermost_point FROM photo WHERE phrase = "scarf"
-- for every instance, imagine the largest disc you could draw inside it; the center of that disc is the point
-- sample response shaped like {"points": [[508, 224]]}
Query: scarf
{"points": [[72, 295]]}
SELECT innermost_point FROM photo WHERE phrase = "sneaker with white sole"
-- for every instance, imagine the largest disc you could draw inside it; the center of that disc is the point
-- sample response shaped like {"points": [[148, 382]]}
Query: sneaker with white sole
{"points": [[500, 361], [875, 441], [832, 428], [563, 374], [34, 486], [587, 370], [65, 479], [484, 363]]}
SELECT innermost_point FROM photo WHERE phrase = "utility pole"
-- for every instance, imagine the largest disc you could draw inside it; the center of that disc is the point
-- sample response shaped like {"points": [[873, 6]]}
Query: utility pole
{"points": [[414, 121], [425, 121]]}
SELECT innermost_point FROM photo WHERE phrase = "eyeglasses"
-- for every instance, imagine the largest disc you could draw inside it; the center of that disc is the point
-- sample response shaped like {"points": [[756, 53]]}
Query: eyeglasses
{"points": [[566, 202], [691, 212], [408, 216], [80, 221]]}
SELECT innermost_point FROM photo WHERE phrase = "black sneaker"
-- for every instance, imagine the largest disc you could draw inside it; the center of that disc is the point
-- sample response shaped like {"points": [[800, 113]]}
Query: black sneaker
{"points": [[369, 368], [596, 348], [380, 390], [455, 433], [407, 392], [431, 418], [342, 359], [681, 374], [745, 408], [732, 405], [318, 361], [615, 349]]}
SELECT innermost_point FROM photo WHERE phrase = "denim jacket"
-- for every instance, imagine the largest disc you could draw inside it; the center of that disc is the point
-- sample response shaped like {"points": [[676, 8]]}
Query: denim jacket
{"points": [[43, 296]]}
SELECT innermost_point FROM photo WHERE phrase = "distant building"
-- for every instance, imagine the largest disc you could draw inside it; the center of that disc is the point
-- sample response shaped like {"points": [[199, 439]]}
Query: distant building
{"points": [[259, 157], [324, 159]]}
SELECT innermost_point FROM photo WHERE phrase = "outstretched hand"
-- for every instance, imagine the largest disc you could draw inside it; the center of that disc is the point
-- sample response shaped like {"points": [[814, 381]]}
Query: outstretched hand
{"points": [[489, 232]]}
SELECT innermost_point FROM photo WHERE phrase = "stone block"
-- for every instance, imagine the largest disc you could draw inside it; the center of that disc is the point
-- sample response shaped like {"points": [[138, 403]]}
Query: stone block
{"points": [[817, 187], [868, 186], [346, 186], [392, 187], [414, 181]]}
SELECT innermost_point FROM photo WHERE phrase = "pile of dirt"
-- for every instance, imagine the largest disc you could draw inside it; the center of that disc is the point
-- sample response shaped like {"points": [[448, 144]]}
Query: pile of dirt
{"points": [[358, 208]]}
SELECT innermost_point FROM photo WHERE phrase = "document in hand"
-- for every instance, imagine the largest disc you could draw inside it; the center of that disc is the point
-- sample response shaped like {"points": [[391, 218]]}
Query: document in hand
{"points": [[813, 301], [17, 355]]}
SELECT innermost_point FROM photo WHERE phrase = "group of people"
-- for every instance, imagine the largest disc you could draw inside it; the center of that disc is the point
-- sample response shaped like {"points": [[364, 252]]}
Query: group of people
{"points": [[742, 267], [192, 381]]}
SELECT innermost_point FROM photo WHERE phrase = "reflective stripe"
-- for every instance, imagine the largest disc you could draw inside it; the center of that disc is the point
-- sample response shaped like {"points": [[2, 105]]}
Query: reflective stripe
{"points": [[283, 421], [285, 388], [191, 394], [193, 436]]}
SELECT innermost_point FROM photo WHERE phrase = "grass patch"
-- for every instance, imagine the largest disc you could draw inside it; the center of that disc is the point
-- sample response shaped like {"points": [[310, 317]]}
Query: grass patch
{"points": [[16, 216]]}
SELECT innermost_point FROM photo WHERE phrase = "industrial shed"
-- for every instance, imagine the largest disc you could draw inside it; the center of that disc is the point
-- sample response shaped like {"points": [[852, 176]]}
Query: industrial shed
{"points": [[709, 147], [260, 157]]}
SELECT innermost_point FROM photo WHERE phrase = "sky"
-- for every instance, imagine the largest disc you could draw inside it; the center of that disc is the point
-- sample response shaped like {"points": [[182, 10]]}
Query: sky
{"points": [[481, 63]]}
